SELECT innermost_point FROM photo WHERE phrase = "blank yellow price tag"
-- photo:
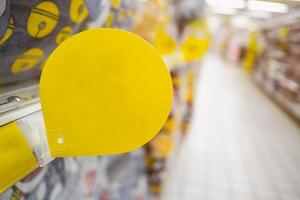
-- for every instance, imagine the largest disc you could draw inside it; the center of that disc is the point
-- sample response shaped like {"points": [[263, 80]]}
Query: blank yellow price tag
{"points": [[103, 91], [16, 158]]}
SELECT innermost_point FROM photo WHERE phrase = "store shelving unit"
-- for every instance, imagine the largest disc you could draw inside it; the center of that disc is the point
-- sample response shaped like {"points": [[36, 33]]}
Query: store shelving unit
{"points": [[277, 65]]}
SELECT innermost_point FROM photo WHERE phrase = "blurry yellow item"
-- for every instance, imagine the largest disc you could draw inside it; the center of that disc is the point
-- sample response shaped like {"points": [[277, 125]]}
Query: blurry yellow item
{"points": [[8, 31], [103, 91], [176, 81], [16, 158], [283, 32], [162, 145], [193, 48], [169, 125], [190, 86], [251, 52], [28, 60], [65, 33], [155, 188], [78, 11], [197, 24], [115, 3], [185, 126], [164, 43], [110, 19], [129, 13], [121, 16], [159, 3], [42, 19]]}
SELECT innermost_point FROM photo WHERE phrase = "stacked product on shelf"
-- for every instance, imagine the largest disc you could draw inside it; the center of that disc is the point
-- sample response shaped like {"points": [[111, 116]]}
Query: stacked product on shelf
{"points": [[275, 55]]}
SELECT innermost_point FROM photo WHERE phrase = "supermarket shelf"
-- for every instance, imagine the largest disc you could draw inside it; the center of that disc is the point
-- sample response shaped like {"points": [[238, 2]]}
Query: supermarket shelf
{"points": [[276, 70], [17, 101], [291, 18], [20, 113], [279, 100]]}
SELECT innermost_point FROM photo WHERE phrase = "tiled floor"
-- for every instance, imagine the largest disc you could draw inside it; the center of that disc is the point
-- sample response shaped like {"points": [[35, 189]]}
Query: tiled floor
{"points": [[241, 146]]}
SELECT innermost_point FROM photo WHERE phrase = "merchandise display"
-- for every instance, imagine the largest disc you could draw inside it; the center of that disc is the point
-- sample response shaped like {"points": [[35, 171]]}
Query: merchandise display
{"points": [[267, 50], [174, 47], [115, 177], [30, 33], [273, 53]]}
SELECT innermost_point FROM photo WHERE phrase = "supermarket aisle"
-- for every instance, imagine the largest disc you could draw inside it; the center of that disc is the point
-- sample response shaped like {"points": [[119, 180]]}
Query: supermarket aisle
{"points": [[241, 146]]}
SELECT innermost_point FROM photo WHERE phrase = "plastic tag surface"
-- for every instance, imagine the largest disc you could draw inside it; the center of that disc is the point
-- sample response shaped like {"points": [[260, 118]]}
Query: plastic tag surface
{"points": [[103, 91]]}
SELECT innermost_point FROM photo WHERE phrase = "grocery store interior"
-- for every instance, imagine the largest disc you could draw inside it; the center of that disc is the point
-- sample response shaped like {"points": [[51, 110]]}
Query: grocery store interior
{"points": [[205, 106]]}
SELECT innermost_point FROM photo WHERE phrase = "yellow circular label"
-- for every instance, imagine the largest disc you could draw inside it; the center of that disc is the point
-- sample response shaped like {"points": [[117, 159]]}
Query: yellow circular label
{"points": [[8, 32], [78, 11], [63, 34], [28, 60], [42, 19], [104, 91]]}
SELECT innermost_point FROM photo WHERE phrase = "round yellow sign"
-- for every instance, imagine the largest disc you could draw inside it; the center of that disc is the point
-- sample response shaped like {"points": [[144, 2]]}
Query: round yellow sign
{"points": [[103, 91]]}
